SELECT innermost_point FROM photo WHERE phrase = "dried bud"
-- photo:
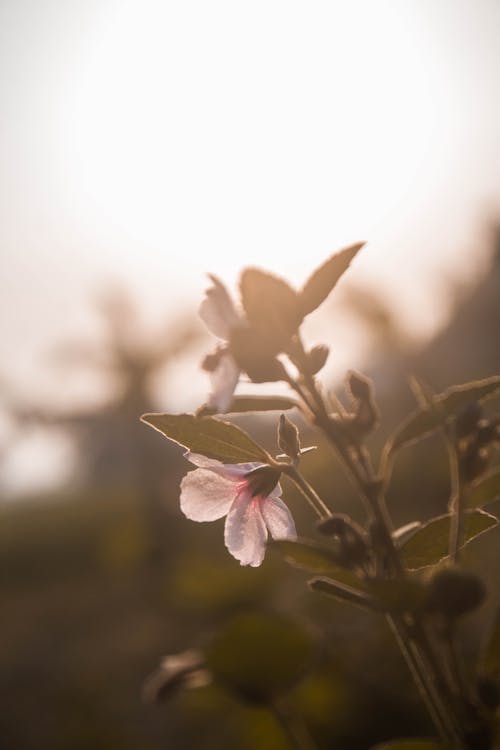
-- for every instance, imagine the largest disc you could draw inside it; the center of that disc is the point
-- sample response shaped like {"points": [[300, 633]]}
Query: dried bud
{"points": [[316, 358], [473, 462], [359, 386], [486, 433], [467, 420], [185, 670], [352, 538], [262, 480], [288, 438], [453, 593]]}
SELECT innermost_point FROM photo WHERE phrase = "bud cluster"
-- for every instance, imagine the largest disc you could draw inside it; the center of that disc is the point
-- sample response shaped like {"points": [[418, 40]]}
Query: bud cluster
{"points": [[475, 436]]}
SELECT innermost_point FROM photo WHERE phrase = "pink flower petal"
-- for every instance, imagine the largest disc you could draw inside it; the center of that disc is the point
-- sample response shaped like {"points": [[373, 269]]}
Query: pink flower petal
{"points": [[278, 518], [245, 532], [224, 380], [205, 495], [236, 472], [218, 311]]}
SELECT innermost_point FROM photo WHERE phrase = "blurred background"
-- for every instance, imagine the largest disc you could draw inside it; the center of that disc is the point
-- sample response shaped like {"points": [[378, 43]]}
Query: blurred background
{"points": [[141, 146]]}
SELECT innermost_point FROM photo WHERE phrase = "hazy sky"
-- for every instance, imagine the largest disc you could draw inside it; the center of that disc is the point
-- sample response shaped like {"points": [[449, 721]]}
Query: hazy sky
{"points": [[148, 142]]}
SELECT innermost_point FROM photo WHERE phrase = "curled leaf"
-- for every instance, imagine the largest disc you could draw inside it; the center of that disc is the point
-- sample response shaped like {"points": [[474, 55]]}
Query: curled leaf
{"points": [[209, 436], [447, 405]]}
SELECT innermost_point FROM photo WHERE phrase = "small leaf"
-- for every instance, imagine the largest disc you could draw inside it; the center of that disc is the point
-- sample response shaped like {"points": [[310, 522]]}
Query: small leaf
{"points": [[271, 305], [485, 490], [322, 281], [343, 592], [429, 544], [410, 745], [315, 558], [209, 436], [448, 404], [490, 660]]}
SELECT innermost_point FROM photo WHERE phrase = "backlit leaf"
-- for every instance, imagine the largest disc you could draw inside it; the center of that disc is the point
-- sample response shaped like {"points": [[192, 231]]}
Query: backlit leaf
{"points": [[209, 436], [322, 281], [429, 544], [315, 558], [424, 421], [485, 490]]}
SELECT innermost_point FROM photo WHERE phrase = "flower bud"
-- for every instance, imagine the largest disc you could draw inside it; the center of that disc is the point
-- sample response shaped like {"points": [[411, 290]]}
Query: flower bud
{"points": [[288, 437], [316, 358], [359, 386], [473, 462], [185, 670], [352, 538], [454, 592], [467, 420]]}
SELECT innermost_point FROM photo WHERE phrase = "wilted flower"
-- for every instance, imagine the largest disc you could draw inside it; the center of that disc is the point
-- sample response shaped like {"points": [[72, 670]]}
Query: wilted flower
{"points": [[219, 314], [247, 494]]}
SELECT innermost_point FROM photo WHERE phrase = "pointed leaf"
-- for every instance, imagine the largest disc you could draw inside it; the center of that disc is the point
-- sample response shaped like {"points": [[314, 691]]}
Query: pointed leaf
{"points": [[343, 592], [490, 659], [485, 490], [429, 544], [410, 745], [322, 281], [315, 558], [209, 436], [271, 305], [424, 421]]}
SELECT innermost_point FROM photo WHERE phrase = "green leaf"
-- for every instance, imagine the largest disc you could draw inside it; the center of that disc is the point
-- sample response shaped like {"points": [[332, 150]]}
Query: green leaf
{"points": [[485, 490], [343, 593], [424, 421], [209, 436], [322, 281], [260, 656], [429, 544], [410, 745], [315, 558], [271, 305], [490, 659], [399, 595]]}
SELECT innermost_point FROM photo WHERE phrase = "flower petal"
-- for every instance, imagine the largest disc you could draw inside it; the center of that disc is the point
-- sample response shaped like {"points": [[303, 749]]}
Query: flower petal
{"points": [[235, 472], [245, 532], [218, 311], [224, 380], [206, 496], [278, 518]]}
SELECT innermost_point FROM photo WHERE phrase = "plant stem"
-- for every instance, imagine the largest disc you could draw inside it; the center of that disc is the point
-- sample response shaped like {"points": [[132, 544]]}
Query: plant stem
{"points": [[307, 491], [425, 684], [455, 505]]}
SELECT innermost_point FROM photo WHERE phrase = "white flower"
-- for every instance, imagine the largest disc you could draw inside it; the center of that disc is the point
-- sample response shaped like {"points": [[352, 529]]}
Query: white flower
{"points": [[219, 314], [215, 490]]}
